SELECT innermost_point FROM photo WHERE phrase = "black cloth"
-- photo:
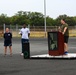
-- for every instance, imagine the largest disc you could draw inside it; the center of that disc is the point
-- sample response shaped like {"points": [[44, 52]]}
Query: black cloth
{"points": [[7, 39], [7, 36], [66, 39]]}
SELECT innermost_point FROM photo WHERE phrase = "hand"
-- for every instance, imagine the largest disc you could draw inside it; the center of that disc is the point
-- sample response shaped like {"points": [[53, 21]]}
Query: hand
{"points": [[59, 29], [63, 33]]}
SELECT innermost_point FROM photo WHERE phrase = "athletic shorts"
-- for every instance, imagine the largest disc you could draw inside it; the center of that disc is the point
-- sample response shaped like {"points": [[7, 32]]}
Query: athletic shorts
{"points": [[7, 43], [66, 39]]}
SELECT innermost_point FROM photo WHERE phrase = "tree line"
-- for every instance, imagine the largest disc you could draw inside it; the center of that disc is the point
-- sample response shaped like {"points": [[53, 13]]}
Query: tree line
{"points": [[35, 19]]}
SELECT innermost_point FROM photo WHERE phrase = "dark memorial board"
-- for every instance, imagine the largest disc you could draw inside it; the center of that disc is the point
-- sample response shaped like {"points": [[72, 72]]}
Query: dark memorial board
{"points": [[55, 43]]}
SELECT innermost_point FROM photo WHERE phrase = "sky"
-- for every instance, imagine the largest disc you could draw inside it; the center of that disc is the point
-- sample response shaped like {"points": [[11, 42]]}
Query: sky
{"points": [[54, 8]]}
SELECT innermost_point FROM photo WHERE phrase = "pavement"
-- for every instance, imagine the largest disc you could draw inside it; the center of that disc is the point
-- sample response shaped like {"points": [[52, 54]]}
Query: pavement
{"points": [[17, 65]]}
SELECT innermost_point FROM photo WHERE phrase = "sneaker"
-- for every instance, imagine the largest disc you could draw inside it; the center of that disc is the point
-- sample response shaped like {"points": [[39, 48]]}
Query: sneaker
{"points": [[65, 53], [21, 54]]}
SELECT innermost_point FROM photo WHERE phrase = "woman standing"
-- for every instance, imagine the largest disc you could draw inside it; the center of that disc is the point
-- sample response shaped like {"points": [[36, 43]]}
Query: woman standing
{"points": [[7, 41]]}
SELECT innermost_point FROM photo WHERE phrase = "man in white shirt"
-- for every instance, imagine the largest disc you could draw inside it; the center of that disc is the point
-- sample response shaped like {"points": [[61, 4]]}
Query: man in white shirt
{"points": [[25, 33]]}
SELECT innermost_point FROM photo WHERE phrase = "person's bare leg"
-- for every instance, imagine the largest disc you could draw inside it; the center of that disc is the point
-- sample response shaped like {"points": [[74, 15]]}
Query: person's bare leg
{"points": [[66, 47], [10, 48], [5, 50]]}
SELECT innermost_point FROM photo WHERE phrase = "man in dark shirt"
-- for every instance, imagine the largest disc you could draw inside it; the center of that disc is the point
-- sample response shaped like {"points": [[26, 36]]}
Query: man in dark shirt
{"points": [[7, 41], [65, 31]]}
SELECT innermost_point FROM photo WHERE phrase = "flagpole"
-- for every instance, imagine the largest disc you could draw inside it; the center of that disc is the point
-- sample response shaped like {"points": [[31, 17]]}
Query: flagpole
{"points": [[45, 16]]}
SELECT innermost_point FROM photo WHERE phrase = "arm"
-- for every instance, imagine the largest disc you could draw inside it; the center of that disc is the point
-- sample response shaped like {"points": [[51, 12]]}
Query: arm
{"points": [[28, 34], [64, 30], [11, 35], [4, 36], [59, 29], [20, 32]]}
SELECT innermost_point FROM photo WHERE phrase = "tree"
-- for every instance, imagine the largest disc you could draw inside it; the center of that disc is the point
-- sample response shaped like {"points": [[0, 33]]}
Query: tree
{"points": [[50, 21], [36, 18], [59, 18], [3, 18]]}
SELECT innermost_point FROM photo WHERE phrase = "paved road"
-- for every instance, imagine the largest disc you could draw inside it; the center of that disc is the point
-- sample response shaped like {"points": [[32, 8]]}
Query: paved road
{"points": [[16, 65]]}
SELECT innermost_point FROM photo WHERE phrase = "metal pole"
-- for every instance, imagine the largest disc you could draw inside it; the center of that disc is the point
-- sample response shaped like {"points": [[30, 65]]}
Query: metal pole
{"points": [[45, 16], [4, 28]]}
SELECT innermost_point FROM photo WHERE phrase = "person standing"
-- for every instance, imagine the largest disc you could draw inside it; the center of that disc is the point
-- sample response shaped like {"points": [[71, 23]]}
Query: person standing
{"points": [[25, 33], [7, 41], [65, 31]]}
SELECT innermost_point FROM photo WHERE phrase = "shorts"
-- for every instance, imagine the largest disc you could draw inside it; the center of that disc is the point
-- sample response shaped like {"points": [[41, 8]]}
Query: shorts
{"points": [[66, 39], [7, 43]]}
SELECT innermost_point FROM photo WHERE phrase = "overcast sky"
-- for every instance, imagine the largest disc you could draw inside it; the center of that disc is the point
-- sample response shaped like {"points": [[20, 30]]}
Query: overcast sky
{"points": [[54, 8]]}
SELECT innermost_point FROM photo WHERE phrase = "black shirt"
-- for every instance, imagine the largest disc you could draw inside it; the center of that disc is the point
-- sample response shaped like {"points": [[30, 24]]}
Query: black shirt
{"points": [[7, 36]]}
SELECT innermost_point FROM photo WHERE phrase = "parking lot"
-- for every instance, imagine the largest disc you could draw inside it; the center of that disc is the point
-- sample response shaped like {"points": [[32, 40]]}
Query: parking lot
{"points": [[17, 65]]}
